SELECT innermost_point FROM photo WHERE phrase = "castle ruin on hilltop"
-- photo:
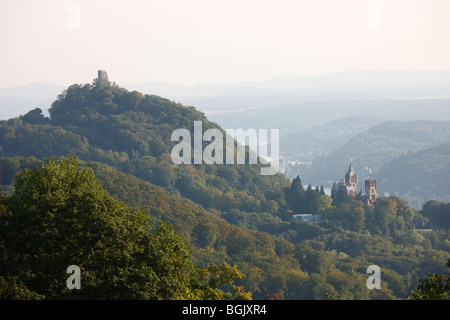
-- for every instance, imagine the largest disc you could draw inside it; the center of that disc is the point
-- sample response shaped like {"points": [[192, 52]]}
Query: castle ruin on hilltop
{"points": [[102, 75]]}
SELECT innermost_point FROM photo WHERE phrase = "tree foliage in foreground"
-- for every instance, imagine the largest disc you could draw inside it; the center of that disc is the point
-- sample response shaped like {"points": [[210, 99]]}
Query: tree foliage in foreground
{"points": [[59, 215], [437, 287]]}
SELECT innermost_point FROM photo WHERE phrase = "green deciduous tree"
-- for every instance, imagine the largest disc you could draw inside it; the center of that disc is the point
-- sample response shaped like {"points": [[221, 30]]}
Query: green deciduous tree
{"points": [[214, 277], [59, 215], [437, 287]]}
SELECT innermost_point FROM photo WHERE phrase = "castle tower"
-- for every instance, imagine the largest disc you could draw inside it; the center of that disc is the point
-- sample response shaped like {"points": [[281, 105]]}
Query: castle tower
{"points": [[351, 179], [371, 190], [348, 188], [102, 75]]}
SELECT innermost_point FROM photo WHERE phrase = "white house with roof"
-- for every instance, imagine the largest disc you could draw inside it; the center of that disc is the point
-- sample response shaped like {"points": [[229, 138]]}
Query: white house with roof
{"points": [[305, 217]]}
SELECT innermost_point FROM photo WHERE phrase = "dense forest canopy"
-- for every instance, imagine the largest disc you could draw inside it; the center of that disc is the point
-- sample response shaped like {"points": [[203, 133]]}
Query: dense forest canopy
{"points": [[223, 215], [60, 215]]}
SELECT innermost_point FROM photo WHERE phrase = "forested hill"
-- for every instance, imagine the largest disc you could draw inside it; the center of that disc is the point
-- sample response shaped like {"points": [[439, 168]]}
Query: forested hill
{"points": [[378, 145], [423, 174], [132, 132], [229, 213]]}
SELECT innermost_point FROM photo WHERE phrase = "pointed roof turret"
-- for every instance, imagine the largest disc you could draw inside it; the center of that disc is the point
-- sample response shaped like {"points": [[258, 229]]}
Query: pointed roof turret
{"points": [[351, 171]]}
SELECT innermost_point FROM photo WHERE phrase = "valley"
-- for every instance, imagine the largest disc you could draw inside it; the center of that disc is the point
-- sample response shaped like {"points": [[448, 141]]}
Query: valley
{"points": [[230, 214]]}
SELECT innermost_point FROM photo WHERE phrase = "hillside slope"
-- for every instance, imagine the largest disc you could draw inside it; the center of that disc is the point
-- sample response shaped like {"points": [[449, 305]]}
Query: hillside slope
{"points": [[378, 145], [223, 209], [132, 132], [418, 176]]}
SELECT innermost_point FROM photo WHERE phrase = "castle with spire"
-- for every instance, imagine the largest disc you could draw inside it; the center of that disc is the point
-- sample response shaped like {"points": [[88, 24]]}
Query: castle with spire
{"points": [[348, 188]]}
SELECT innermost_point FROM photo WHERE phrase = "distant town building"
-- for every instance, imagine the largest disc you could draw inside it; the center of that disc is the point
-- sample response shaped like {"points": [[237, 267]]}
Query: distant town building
{"points": [[314, 218], [422, 230], [348, 188]]}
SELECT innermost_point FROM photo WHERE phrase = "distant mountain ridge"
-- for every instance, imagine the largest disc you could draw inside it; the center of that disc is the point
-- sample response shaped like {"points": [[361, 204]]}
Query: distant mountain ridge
{"points": [[15, 101], [322, 140], [418, 176], [349, 82], [381, 84], [385, 145]]}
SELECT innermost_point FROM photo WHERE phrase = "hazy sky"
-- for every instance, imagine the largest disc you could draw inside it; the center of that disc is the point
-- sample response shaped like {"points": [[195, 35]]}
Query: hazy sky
{"points": [[189, 42]]}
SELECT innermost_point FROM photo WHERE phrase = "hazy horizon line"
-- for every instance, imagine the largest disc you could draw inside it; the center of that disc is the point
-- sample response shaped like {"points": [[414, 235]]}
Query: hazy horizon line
{"points": [[232, 83]]}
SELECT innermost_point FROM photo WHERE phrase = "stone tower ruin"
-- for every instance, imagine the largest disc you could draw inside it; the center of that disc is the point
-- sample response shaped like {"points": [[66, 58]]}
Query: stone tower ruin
{"points": [[102, 75]]}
